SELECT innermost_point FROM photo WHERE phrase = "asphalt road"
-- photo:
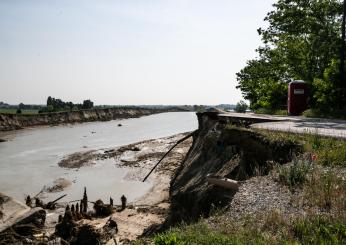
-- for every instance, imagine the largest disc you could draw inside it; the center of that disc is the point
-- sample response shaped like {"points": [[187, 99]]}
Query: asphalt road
{"points": [[326, 127]]}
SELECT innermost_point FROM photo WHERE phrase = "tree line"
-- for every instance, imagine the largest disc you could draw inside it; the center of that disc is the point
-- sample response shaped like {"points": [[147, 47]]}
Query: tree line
{"points": [[56, 105], [303, 41]]}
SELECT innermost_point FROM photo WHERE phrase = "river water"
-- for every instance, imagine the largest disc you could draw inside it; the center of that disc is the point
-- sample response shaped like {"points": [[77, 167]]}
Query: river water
{"points": [[30, 159]]}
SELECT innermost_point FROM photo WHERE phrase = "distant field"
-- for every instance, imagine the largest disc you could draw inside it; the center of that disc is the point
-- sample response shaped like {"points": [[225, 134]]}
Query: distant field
{"points": [[13, 111]]}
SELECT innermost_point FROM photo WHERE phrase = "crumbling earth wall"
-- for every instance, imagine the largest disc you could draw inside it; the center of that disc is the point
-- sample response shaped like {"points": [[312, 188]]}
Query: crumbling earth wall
{"points": [[226, 150], [18, 121]]}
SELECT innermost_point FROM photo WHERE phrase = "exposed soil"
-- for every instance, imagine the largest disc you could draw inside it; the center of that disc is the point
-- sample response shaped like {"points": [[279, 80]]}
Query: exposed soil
{"points": [[10, 122]]}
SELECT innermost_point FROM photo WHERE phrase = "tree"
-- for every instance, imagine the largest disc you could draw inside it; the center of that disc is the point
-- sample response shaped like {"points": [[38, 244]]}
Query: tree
{"points": [[301, 42], [49, 101], [87, 104], [241, 107]]}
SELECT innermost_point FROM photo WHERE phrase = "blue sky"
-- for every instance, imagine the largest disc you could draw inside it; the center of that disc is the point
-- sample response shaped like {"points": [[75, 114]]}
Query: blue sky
{"points": [[127, 52]]}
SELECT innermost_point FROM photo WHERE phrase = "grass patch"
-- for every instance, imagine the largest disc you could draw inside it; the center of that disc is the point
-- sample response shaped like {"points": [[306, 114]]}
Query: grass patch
{"points": [[323, 150], [274, 228], [326, 190], [328, 151], [271, 112], [202, 233], [330, 114], [320, 230], [14, 111]]}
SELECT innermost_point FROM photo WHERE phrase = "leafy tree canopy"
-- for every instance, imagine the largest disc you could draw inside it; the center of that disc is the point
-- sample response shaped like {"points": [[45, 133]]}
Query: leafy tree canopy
{"points": [[302, 42]]}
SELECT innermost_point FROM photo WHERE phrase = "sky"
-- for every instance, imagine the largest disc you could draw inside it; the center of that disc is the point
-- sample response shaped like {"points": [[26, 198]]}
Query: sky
{"points": [[127, 51]]}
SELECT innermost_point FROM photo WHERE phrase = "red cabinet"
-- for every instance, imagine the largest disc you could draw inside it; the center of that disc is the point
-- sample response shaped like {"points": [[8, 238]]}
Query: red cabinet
{"points": [[297, 97]]}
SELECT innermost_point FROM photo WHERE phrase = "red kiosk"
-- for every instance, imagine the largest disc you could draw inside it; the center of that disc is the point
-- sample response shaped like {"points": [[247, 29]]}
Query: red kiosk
{"points": [[297, 97]]}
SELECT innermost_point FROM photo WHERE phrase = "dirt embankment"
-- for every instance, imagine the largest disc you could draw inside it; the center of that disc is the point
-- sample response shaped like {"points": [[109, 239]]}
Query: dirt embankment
{"points": [[224, 150], [13, 121]]}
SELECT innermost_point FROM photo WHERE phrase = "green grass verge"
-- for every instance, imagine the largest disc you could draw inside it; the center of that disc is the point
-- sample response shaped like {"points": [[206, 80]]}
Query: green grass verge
{"points": [[271, 112], [323, 150], [274, 230], [14, 111], [315, 113]]}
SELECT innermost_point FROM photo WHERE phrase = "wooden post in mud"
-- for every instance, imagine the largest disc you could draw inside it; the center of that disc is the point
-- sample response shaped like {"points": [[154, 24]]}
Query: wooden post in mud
{"points": [[123, 202], [85, 201], [28, 201], [178, 142]]}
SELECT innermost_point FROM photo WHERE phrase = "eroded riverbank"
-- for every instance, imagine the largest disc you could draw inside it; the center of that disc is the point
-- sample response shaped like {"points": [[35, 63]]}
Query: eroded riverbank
{"points": [[10, 122]]}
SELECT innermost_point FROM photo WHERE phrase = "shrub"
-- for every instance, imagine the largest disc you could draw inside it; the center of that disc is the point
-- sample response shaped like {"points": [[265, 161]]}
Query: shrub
{"points": [[168, 239], [294, 175], [241, 107], [311, 113]]}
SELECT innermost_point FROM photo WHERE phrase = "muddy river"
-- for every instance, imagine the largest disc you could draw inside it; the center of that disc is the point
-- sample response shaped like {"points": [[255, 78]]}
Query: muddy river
{"points": [[29, 160]]}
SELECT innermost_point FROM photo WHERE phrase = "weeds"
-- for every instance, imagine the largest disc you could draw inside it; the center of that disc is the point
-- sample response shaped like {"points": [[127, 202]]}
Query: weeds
{"points": [[294, 175], [275, 229], [320, 230], [326, 190], [271, 112], [328, 151], [340, 114]]}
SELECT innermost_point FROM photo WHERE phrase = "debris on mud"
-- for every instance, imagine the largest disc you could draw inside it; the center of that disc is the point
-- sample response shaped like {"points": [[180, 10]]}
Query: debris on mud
{"points": [[78, 159], [20, 223], [58, 185]]}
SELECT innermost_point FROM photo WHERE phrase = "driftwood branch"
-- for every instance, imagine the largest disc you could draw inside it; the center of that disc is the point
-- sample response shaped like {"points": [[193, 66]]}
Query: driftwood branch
{"points": [[178, 142]]}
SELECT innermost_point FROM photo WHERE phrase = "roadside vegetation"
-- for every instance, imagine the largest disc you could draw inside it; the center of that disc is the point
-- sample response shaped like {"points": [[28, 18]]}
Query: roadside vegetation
{"points": [[274, 230], [316, 113], [302, 41], [316, 181], [271, 111]]}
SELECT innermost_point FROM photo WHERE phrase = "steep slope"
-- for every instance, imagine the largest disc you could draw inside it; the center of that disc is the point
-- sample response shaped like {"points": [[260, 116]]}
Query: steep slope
{"points": [[15, 121], [222, 149]]}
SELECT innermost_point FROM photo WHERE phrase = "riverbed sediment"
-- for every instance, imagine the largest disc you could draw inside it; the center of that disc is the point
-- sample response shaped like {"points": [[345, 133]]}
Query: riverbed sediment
{"points": [[146, 212]]}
